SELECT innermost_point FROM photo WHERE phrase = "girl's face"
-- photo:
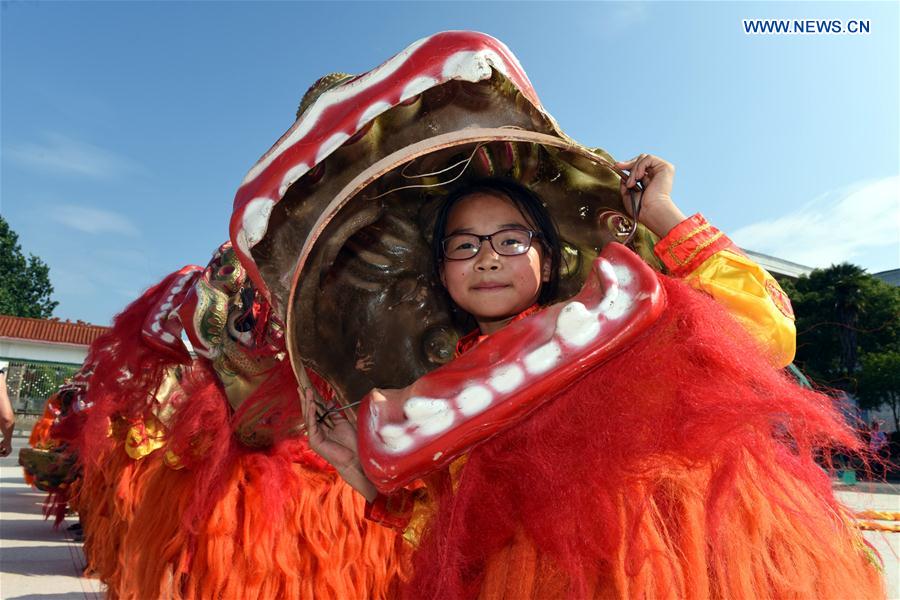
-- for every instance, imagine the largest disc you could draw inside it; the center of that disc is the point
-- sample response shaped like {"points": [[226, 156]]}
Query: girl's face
{"points": [[491, 287]]}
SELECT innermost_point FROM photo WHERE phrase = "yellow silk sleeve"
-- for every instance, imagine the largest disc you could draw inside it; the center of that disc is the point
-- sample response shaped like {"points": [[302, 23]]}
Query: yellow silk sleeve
{"points": [[707, 260], [747, 290]]}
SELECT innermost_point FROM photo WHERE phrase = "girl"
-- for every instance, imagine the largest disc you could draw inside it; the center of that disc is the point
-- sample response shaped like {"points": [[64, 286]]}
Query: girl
{"points": [[656, 475], [497, 253]]}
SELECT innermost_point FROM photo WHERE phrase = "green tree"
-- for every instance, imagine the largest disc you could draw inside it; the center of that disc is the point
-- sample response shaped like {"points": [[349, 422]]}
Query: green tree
{"points": [[843, 314], [24, 283], [879, 382]]}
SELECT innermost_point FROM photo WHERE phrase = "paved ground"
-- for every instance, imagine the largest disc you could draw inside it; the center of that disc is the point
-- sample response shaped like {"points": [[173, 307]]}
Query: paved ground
{"points": [[880, 497], [38, 562]]}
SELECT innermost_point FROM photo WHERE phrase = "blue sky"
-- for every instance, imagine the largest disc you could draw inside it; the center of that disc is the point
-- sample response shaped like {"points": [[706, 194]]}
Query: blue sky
{"points": [[128, 126]]}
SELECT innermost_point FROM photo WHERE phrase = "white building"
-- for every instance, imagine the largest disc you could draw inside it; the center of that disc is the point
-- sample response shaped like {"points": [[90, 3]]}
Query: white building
{"points": [[41, 354]]}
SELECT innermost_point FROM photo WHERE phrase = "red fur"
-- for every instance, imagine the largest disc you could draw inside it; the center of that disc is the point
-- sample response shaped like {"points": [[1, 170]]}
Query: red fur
{"points": [[273, 410], [200, 435], [656, 475], [202, 431], [111, 356], [56, 504], [249, 510]]}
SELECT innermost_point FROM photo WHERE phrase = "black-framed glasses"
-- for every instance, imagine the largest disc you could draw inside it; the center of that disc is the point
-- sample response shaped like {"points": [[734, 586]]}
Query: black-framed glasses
{"points": [[506, 242]]}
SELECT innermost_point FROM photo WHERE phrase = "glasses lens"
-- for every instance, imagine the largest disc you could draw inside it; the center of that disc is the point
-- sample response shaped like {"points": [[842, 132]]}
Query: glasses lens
{"points": [[511, 242], [461, 246]]}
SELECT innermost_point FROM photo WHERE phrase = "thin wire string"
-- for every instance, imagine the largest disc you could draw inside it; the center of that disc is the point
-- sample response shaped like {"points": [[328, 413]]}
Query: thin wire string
{"points": [[635, 193], [321, 417], [465, 165]]}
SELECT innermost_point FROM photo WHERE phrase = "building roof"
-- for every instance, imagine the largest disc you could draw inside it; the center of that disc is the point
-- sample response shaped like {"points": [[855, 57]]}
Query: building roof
{"points": [[50, 330], [892, 276], [778, 266]]}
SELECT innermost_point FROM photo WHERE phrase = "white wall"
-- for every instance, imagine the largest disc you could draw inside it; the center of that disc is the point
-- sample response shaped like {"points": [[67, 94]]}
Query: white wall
{"points": [[11, 348]]}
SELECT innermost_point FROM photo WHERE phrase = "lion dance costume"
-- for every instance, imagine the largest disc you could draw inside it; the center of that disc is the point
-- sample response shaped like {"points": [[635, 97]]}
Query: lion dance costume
{"points": [[653, 449]]}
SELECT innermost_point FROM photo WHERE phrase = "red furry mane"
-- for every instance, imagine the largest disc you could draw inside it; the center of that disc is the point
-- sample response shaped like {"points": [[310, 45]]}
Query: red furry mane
{"points": [[683, 467]]}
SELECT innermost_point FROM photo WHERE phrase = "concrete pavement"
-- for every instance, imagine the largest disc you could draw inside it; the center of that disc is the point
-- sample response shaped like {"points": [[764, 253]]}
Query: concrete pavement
{"points": [[883, 497], [38, 562]]}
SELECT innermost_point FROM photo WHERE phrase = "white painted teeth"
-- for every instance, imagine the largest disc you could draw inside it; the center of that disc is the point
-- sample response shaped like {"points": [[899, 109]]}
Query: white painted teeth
{"points": [[395, 438], [474, 399], [576, 325], [392, 431], [419, 409], [431, 415], [507, 378], [623, 275], [617, 306], [543, 359], [438, 423]]}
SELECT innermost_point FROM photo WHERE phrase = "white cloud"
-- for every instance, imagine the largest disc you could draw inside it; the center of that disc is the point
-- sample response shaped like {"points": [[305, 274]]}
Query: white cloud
{"points": [[612, 20], [57, 153], [93, 220], [622, 15], [839, 226]]}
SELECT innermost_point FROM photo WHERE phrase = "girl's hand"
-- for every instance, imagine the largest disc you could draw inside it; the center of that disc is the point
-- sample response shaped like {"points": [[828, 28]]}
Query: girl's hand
{"points": [[658, 211], [335, 440]]}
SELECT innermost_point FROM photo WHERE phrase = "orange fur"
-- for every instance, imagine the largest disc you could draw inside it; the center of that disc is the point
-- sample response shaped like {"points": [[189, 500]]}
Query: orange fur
{"points": [[105, 504], [316, 545], [40, 433], [762, 553]]}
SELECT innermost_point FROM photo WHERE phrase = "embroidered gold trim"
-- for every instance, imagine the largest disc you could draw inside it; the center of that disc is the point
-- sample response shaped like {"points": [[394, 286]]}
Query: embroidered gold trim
{"points": [[696, 251], [688, 236]]}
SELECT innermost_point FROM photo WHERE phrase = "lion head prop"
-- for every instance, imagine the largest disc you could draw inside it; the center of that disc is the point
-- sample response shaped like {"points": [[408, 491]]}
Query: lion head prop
{"points": [[333, 224]]}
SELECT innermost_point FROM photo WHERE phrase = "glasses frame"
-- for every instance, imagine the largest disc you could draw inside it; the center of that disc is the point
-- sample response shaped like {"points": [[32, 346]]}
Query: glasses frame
{"points": [[490, 239]]}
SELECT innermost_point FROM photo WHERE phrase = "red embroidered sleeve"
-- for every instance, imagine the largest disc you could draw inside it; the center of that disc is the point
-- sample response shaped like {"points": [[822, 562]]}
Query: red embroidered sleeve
{"points": [[689, 244], [394, 511]]}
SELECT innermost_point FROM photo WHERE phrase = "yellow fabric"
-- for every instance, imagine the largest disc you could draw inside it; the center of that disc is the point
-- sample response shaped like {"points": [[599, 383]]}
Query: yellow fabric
{"points": [[422, 512], [739, 284], [172, 460], [144, 437]]}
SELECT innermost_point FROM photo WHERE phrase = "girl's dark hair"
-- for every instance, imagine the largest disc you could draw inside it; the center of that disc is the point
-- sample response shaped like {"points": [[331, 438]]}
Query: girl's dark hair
{"points": [[532, 208]]}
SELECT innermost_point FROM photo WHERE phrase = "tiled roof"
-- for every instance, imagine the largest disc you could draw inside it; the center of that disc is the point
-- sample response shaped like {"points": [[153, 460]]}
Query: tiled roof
{"points": [[50, 330]]}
